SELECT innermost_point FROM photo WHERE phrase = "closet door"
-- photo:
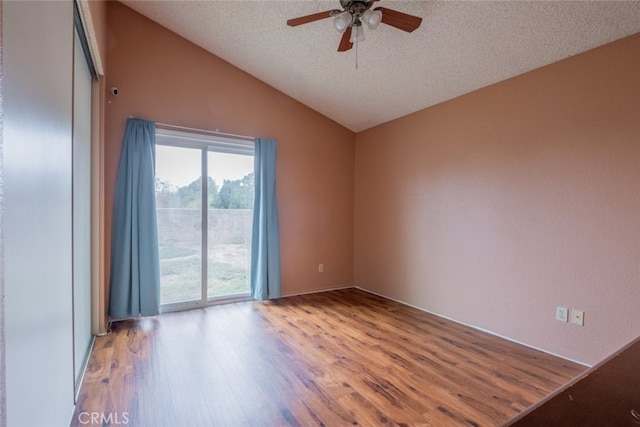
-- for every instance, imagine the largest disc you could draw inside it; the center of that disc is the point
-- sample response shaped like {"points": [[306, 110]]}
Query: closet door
{"points": [[82, 337], [37, 49]]}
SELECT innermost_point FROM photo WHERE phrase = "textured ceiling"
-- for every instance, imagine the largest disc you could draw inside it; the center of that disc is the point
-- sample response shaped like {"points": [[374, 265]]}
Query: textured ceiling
{"points": [[461, 46]]}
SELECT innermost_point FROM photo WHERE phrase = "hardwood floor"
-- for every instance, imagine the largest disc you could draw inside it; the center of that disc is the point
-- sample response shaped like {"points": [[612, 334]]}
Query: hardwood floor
{"points": [[336, 358]]}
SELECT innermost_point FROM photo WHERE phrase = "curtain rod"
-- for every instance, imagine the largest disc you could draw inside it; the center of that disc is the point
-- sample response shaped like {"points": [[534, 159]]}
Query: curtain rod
{"points": [[214, 132]]}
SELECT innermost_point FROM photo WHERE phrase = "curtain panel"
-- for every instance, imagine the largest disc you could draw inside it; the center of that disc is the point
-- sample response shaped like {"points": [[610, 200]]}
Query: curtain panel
{"points": [[135, 266], [265, 246]]}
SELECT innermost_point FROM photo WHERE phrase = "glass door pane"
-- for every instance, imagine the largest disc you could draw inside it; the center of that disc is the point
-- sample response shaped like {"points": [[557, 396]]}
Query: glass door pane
{"points": [[230, 216], [179, 210]]}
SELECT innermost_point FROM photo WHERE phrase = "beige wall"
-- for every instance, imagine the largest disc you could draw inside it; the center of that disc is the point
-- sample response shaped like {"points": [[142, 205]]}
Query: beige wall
{"points": [[164, 78], [495, 207]]}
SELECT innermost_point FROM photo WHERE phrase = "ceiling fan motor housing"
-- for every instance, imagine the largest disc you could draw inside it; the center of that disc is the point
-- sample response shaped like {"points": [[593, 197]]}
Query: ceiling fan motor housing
{"points": [[356, 8]]}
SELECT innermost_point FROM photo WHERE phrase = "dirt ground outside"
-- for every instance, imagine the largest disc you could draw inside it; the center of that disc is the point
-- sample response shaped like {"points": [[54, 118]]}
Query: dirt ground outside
{"points": [[229, 253]]}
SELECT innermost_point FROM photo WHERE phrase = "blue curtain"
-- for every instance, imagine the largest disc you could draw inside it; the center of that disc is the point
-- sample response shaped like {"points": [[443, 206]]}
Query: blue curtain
{"points": [[265, 246], [135, 266]]}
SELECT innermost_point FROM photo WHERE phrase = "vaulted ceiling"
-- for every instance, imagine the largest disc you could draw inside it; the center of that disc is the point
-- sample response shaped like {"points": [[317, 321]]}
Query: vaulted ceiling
{"points": [[461, 46]]}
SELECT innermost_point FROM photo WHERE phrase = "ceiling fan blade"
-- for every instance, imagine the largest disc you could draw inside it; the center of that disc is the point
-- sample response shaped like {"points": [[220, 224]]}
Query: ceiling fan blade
{"points": [[399, 20], [309, 18], [345, 44]]}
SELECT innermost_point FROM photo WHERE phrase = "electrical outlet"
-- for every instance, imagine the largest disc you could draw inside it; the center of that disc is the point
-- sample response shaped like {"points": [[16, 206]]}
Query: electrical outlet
{"points": [[577, 317], [562, 314], [320, 268]]}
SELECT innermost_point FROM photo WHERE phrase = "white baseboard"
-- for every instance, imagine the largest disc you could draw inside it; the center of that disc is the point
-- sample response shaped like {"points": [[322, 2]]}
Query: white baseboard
{"points": [[319, 291]]}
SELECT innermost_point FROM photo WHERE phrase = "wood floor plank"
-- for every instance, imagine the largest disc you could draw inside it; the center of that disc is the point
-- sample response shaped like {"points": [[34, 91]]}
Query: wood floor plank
{"points": [[336, 358]]}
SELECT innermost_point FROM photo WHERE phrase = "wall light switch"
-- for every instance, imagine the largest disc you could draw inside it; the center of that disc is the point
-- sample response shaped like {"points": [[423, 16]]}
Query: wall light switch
{"points": [[577, 317], [562, 314], [320, 268]]}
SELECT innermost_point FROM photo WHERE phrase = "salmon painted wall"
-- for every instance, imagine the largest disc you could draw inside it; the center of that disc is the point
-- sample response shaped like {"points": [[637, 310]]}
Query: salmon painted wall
{"points": [[98, 11], [496, 207], [164, 78]]}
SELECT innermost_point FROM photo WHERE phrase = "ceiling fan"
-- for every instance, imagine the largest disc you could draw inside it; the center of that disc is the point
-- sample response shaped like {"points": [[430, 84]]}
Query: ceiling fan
{"points": [[353, 14]]}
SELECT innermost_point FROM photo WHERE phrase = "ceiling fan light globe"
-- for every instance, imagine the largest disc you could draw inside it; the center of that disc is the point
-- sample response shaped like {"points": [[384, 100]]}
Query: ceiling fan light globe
{"points": [[357, 34], [372, 18], [342, 22]]}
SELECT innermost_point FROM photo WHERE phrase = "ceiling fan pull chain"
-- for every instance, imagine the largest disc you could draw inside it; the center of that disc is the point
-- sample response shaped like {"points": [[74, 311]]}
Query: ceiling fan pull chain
{"points": [[357, 53]]}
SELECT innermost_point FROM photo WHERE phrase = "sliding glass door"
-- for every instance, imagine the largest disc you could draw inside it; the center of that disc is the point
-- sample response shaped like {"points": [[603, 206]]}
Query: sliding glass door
{"points": [[230, 217], [204, 225], [179, 207]]}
